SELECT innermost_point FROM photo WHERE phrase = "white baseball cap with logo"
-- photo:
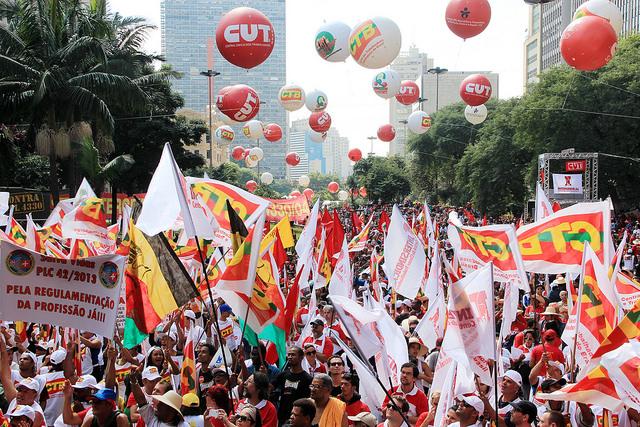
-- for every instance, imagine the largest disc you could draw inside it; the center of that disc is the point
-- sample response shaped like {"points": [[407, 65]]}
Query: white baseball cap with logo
{"points": [[86, 381], [23, 411], [151, 373]]}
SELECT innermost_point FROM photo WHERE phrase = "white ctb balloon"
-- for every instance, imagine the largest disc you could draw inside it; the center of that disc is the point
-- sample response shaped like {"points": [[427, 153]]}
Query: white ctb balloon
{"points": [[318, 137], [249, 162], [266, 178], [419, 122], [253, 129], [316, 100], [332, 41], [343, 195], [375, 43], [386, 84], [304, 180], [602, 8], [475, 115], [291, 97], [256, 154], [224, 134]]}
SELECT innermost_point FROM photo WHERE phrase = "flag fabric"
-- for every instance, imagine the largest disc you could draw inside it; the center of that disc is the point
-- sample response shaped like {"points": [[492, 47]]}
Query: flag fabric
{"points": [[15, 232], [341, 282], [236, 227], [433, 283], [543, 206], [405, 259], [431, 326], [627, 290], [215, 268], [4, 206], [356, 222], [484, 220], [304, 245], [623, 366], [383, 222], [282, 231], [337, 236], [81, 249], [87, 221], [156, 284], [554, 245], [359, 324], [615, 262], [188, 379], [21, 332], [469, 215], [359, 241]]}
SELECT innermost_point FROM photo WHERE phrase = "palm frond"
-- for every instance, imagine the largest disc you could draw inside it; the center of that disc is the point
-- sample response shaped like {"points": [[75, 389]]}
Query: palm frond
{"points": [[90, 103], [111, 85], [81, 48], [87, 157], [11, 67], [116, 167]]}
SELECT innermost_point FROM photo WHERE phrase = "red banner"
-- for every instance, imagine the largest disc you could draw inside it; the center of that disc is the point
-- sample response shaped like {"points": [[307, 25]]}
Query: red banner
{"points": [[297, 209], [575, 165]]}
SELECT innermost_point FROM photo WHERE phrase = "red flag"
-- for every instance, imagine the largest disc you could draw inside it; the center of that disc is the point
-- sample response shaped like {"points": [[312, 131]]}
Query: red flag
{"points": [[469, 215], [383, 222], [337, 236], [519, 223], [484, 220], [292, 302], [279, 253], [356, 222]]}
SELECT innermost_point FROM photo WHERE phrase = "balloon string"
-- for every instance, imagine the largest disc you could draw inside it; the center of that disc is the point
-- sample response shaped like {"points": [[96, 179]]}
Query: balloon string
{"points": [[455, 63]]}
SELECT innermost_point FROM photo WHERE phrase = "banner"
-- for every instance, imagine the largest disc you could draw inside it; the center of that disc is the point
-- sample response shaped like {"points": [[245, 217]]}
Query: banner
{"points": [[555, 244], [297, 209], [567, 183], [475, 247], [623, 365], [81, 294]]}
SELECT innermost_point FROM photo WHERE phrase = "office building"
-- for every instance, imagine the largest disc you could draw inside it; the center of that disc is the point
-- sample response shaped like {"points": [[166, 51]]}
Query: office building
{"points": [[546, 24], [410, 65], [336, 153], [188, 35], [203, 148]]}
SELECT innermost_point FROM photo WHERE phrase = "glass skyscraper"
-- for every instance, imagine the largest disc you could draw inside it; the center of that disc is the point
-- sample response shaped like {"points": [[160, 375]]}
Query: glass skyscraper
{"points": [[188, 38]]}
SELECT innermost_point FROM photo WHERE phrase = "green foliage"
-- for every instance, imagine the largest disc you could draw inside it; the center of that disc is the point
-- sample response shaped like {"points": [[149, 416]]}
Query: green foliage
{"points": [[385, 178]]}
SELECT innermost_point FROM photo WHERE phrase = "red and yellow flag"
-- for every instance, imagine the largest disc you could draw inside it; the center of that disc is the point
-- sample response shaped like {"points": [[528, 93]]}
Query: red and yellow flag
{"points": [[188, 378]]}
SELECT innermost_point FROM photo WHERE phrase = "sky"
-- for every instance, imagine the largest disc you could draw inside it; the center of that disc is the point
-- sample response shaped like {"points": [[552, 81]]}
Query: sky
{"points": [[355, 110]]}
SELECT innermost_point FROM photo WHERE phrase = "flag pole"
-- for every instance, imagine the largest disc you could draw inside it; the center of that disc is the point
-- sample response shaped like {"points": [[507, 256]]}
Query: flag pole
{"points": [[495, 345]]}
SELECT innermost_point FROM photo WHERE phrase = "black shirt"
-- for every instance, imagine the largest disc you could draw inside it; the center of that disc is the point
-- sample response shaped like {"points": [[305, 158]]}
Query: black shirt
{"points": [[287, 388]]}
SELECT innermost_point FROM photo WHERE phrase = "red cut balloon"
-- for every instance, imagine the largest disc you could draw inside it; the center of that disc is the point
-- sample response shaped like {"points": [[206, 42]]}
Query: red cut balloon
{"points": [[295, 193], [468, 18], [363, 192], [588, 43], [320, 121], [475, 90], [251, 186], [333, 187], [292, 158], [239, 102], [386, 133], [272, 132], [355, 154], [245, 37], [409, 93], [238, 153], [308, 193]]}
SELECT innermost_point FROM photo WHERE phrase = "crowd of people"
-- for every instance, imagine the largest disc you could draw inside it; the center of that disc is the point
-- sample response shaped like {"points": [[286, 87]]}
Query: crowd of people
{"points": [[52, 379]]}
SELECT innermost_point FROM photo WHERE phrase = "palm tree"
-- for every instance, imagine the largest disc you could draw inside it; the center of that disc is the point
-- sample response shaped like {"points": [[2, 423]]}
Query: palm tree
{"points": [[63, 65]]}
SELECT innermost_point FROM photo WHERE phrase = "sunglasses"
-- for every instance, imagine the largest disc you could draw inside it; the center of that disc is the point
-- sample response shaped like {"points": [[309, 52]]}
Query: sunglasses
{"points": [[336, 364], [244, 418], [390, 406]]}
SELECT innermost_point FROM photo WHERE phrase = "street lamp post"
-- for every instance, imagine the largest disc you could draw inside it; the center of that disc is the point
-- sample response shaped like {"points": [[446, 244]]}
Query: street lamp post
{"points": [[210, 74], [371, 139], [437, 71]]}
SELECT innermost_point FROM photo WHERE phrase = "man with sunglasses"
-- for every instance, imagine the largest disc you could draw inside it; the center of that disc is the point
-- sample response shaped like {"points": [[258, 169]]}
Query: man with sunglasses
{"points": [[336, 370], [469, 408], [310, 363], [291, 384], [417, 399]]}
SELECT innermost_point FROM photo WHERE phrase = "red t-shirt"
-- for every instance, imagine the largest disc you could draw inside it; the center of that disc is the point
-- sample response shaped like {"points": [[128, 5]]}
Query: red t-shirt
{"points": [[268, 412], [418, 401], [354, 408], [322, 345], [554, 354]]}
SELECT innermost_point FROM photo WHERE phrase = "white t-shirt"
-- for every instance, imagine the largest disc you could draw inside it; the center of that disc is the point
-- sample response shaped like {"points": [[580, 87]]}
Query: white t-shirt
{"points": [[60, 422], [121, 373], [230, 331], [150, 419], [196, 420], [55, 386], [16, 378]]}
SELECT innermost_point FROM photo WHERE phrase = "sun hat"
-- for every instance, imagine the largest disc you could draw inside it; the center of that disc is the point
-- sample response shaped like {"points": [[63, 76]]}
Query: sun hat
{"points": [[367, 418], [171, 399]]}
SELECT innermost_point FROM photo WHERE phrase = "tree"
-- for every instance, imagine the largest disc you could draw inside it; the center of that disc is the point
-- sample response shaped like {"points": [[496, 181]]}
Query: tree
{"points": [[385, 178]]}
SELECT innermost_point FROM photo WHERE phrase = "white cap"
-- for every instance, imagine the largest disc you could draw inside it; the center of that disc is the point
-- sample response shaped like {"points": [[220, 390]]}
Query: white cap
{"points": [[29, 383], [474, 401], [86, 381], [23, 411], [58, 356], [514, 376], [189, 314], [151, 373]]}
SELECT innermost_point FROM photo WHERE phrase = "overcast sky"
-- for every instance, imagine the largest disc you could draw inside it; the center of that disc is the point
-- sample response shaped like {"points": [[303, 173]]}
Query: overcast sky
{"points": [[355, 110]]}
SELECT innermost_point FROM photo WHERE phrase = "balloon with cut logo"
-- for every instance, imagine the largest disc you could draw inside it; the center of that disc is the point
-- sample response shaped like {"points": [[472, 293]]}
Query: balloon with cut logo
{"points": [[256, 154], [343, 195], [588, 43], [333, 187], [237, 153], [375, 43], [303, 180], [292, 158], [308, 193], [272, 132], [251, 186], [602, 8], [468, 18], [475, 90], [332, 41], [419, 122], [320, 121], [386, 133], [409, 93], [239, 102], [318, 137], [224, 134], [245, 37], [316, 100], [266, 178], [386, 84], [355, 154], [246, 152], [291, 97], [253, 129], [475, 115]]}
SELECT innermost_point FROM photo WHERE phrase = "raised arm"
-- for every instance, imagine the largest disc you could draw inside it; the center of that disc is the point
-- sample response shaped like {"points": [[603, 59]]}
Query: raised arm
{"points": [[5, 373]]}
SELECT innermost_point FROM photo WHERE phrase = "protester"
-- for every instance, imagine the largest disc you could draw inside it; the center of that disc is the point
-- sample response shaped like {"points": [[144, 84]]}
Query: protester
{"points": [[416, 398], [318, 338], [469, 409], [303, 413], [291, 385], [330, 411], [350, 396], [310, 363], [336, 372], [104, 412], [256, 391], [396, 412]]}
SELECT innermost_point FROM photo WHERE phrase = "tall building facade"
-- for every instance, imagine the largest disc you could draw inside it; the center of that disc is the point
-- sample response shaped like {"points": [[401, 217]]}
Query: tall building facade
{"points": [[410, 65], [188, 34], [548, 21]]}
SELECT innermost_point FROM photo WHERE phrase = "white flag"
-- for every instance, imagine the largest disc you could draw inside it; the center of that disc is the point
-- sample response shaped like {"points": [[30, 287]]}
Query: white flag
{"points": [[543, 207], [341, 282], [623, 365], [431, 326], [359, 324]]}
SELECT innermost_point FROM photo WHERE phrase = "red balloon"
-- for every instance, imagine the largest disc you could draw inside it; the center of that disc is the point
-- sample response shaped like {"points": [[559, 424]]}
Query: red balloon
{"points": [[295, 193], [239, 102], [363, 192], [409, 93], [386, 133], [333, 187], [251, 186], [245, 37], [468, 18], [588, 43], [355, 154], [308, 192], [238, 153], [320, 121], [292, 158], [246, 152], [475, 90], [272, 132]]}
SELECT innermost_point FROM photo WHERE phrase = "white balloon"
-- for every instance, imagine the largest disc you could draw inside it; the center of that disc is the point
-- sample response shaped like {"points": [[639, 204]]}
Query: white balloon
{"points": [[343, 195], [253, 129], [419, 122], [318, 137], [291, 97], [386, 84], [375, 43], [224, 134], [249, 162], [332, 41], [602, 8], [304, 180], [256, 154], [475, 115], [266, 178], [316, 100]]}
